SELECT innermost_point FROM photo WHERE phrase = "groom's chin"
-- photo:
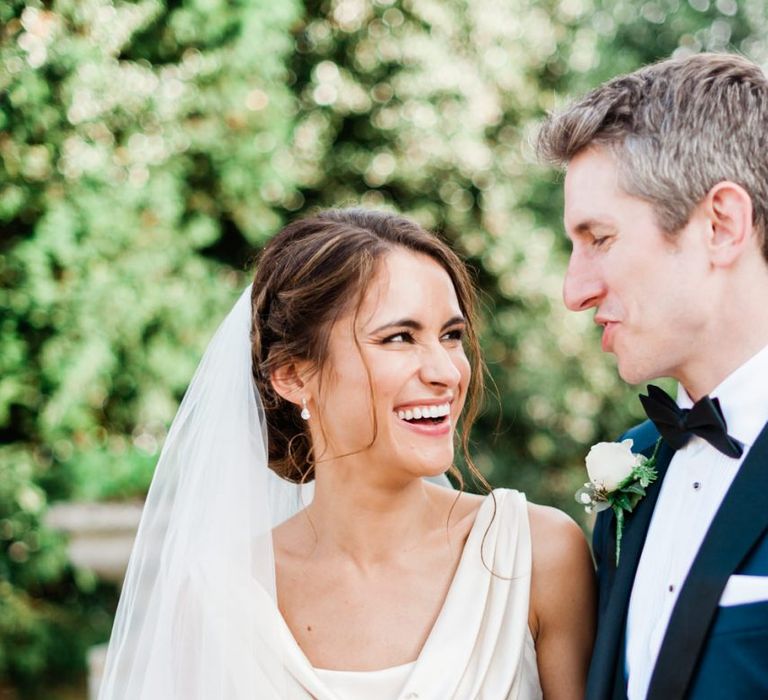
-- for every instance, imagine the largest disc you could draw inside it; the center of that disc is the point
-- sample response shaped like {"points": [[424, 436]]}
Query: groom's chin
{"points": [[631, 373]]}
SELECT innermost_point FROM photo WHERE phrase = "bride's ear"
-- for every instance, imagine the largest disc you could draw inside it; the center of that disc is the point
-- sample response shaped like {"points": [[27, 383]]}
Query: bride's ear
{"points": [[290, 381]]}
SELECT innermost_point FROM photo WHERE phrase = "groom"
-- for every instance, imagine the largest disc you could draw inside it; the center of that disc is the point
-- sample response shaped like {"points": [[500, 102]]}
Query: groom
{"points": [[666, 207]]}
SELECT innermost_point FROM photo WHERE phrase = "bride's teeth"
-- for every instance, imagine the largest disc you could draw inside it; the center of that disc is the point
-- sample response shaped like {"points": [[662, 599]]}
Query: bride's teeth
{"points": [[419, 412]]}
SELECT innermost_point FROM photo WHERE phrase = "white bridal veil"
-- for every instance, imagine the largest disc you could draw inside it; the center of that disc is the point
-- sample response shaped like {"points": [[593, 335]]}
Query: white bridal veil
{"points": [[202, 567]]}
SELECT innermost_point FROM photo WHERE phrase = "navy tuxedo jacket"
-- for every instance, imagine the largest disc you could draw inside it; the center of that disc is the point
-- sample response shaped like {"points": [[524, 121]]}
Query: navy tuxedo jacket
{"points": [[708, 652]]}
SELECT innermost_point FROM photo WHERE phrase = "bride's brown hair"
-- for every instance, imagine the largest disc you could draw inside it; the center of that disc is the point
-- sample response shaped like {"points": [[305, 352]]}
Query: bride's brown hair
{"points": [[311, 273]]}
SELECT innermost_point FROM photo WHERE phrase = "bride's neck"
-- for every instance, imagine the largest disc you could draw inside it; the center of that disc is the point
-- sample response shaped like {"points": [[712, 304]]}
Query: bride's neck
{"points": [[369, 522]]}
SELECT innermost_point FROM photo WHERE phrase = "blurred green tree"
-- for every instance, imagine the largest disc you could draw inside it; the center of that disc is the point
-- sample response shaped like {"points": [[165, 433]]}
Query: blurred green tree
{"points": [[144, 154]]}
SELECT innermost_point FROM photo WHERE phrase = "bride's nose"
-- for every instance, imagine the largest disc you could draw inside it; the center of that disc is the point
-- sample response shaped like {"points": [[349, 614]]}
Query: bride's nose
{"points": [[437, 366]]}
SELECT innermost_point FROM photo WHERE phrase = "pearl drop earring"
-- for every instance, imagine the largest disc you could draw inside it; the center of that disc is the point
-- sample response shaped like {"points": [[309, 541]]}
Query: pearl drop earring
{"points": [[305, 414]]}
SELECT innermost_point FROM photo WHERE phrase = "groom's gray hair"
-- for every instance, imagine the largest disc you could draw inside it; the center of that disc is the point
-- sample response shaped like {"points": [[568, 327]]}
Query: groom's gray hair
{"points": [[676, 129]]}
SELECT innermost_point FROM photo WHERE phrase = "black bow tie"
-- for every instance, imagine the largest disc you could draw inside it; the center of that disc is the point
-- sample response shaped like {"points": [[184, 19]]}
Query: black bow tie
{"points": [[677, 425]]}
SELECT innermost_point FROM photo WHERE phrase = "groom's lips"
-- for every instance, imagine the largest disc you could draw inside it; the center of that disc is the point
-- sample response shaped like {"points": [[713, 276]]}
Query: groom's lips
{"points": [[609, 328]]}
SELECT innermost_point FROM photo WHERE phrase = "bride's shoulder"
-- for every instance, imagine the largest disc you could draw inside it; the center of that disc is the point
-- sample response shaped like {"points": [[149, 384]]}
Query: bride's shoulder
{"points": [[561, 558], [293, 539], [467, 506], [555, 536], [562, 574], [458, 504], [460, 507]]}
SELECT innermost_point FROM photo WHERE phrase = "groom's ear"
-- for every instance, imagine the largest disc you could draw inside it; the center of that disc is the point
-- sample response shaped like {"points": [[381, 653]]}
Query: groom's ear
{"points": [[728, 208]]}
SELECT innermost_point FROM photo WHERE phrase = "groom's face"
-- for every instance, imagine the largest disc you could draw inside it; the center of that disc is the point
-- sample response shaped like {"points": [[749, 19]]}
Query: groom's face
{"points": [[647, 290]]}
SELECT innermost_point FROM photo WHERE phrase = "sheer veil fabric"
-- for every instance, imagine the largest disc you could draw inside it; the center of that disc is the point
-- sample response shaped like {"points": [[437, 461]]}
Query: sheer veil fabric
{"points": [[203, 565]]}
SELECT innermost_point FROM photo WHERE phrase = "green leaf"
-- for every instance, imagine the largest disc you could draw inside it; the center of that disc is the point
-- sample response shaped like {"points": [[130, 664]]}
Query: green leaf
{"points": [[622, 501]]}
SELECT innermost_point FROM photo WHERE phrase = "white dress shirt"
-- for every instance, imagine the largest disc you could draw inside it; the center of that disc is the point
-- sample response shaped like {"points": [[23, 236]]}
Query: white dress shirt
{"points": [[696, 482]]}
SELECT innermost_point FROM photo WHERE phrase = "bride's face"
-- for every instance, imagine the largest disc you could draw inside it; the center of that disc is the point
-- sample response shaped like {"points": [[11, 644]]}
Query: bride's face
{"points": [[394, 384]]}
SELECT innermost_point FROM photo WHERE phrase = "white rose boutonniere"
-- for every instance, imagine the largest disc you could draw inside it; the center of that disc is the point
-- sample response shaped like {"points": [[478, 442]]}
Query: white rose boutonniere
{"points": [[617, 479]]}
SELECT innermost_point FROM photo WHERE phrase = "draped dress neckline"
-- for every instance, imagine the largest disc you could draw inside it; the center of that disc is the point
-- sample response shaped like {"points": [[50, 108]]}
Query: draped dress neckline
{"points": [[480, 645]]}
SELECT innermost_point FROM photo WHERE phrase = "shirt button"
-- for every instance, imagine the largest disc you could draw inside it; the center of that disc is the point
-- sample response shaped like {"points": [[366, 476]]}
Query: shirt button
{"points": [[671, 588], [696, 485]]}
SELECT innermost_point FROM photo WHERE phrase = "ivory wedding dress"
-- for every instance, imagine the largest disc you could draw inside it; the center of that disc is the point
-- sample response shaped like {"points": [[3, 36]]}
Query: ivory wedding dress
{"points": [[480, 647]]}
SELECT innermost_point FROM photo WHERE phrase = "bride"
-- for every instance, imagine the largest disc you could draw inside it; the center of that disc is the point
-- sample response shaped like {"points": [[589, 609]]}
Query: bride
{"points": [[299, 540]]}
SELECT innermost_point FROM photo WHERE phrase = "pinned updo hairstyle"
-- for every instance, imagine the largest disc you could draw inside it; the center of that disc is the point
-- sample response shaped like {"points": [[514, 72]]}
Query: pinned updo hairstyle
{"points": [[314, 271]]}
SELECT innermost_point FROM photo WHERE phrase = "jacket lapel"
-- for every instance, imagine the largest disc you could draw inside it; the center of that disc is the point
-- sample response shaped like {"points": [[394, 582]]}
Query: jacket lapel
{"points": [[741, 520], [607, 672]]}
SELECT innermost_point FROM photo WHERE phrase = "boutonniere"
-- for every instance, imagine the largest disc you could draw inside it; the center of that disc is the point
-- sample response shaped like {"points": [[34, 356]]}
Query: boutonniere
{"points": [[617, 479]]}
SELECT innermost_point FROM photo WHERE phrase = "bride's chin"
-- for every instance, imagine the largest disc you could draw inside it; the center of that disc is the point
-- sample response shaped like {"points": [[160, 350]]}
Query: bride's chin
{"points": [[432, 468]]}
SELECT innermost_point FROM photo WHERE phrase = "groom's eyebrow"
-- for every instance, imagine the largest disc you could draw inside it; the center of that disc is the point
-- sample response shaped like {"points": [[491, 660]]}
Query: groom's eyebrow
{"points": [[593, 226]]}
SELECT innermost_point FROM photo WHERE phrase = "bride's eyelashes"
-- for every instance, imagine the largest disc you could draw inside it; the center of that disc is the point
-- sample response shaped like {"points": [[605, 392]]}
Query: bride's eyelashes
{"points": [[400, 337], [455, 335]]}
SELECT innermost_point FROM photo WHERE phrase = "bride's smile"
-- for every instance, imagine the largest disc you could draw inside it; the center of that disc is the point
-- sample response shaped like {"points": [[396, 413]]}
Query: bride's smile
{"points": [[427, 418]]}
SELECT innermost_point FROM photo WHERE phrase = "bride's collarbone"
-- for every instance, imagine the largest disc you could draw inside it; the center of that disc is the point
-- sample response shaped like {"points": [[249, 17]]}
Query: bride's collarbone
{"points": [[353, 614], [300, 541]]}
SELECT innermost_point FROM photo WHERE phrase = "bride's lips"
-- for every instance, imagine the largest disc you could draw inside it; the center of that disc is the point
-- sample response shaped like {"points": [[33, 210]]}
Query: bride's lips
{"points": [[431, 417]]}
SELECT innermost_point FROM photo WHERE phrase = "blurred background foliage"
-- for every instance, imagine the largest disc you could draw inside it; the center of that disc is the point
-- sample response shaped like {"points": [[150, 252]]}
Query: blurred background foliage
{"points": [[147, 150]]}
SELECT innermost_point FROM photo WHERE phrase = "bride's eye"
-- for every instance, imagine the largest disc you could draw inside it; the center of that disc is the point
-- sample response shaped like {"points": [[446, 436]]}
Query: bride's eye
{"points": [[402, 337], [457, 334]]}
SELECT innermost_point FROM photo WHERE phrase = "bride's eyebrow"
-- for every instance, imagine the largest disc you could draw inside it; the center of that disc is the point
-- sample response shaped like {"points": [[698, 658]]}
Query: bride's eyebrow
{"points": [[416, 326]]}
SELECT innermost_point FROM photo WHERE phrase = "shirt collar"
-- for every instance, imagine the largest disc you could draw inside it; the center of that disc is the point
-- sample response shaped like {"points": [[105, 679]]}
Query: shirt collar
{"points": [[743, 397]]}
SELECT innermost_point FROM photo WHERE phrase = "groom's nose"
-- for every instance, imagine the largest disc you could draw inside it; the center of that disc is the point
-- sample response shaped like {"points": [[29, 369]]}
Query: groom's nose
{"points": [[582, 287]]}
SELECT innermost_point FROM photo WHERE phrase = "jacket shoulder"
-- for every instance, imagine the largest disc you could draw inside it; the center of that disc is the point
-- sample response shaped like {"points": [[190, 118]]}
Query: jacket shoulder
{"points": [[644, 437]]}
